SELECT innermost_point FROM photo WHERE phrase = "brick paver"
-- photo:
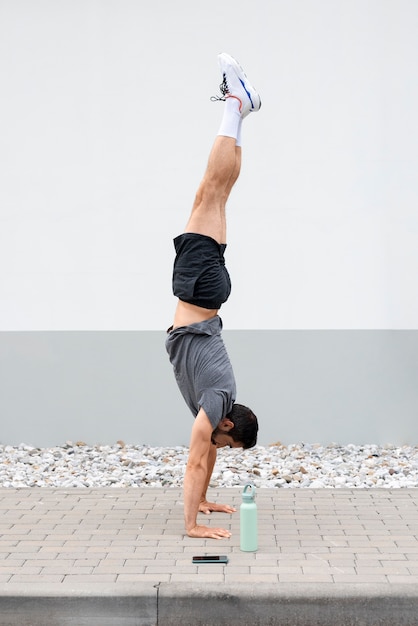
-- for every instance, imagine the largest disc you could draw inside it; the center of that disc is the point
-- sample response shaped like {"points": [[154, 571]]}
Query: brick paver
{"points": [[123, 536]]}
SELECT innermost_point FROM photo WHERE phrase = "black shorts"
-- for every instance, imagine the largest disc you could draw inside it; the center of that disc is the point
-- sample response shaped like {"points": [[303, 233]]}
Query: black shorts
{"points": [[199, 275]]}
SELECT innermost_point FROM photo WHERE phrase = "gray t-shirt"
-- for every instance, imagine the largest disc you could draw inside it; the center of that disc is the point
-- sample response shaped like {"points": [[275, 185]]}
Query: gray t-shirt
{"points": [[202, 368]]}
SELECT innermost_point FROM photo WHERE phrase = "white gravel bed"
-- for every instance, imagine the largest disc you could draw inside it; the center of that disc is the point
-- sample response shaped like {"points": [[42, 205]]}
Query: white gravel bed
{"points": [[281, 466]]}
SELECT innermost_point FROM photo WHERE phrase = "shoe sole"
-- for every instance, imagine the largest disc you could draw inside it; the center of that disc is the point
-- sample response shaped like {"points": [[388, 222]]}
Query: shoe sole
{"points": [[243, 78]]}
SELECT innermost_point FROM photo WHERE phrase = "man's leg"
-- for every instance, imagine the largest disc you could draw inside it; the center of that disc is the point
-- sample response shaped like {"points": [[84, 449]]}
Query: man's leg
{"points": [[208, 212], [223, 168]]}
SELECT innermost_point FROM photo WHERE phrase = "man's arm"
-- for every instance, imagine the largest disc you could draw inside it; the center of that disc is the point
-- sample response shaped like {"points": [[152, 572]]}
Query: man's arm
{"points": [[196, 477], [205, 506]]}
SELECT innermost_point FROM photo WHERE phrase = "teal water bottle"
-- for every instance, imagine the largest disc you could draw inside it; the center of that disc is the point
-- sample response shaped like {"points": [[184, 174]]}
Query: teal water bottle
{"points": [[248, 520]]}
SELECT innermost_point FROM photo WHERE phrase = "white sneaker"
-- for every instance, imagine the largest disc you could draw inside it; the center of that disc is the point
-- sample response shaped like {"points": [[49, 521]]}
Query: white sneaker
{"points": [[235, 84]]}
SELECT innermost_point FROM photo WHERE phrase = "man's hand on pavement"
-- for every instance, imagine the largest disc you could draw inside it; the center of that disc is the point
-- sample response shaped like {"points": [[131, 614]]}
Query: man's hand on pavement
{"points": [[207, 508], [204, 532]]}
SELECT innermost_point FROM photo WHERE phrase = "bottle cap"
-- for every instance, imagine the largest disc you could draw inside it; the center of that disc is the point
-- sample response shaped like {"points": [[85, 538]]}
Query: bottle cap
{"points": [[249, 493]]}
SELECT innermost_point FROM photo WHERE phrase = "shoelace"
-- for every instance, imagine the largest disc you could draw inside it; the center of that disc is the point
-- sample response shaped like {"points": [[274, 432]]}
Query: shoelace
{"points": [[223, 88]]}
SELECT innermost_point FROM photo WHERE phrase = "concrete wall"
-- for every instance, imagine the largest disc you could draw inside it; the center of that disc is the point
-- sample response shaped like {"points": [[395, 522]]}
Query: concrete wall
{"points": [[313, 386], [105, 125]]}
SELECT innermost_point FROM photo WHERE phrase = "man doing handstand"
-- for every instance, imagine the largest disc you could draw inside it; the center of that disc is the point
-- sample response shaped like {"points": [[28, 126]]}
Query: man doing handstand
{"points": [[201, 282]]}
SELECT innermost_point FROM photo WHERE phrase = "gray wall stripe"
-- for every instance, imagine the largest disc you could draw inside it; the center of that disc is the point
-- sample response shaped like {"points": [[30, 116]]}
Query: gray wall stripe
{"points": [[316, 386]]}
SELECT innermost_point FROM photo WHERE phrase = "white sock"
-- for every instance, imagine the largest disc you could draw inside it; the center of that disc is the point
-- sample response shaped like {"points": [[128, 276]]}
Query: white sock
{"points": [[231, 120]]}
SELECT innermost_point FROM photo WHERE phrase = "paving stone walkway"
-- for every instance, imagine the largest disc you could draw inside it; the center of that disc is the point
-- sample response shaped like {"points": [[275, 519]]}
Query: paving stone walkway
{"points": [[109, 541]]}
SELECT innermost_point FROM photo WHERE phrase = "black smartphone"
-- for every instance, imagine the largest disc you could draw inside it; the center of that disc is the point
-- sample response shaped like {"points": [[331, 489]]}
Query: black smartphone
{"points": [[210, 558]]}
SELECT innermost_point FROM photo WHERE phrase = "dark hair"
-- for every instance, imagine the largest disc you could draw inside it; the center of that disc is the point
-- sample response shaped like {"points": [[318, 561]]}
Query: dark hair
{"points": [[245, 425]]}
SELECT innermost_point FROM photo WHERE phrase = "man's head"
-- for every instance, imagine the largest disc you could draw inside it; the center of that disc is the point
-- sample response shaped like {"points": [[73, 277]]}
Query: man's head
{"points": [[237, 430]]}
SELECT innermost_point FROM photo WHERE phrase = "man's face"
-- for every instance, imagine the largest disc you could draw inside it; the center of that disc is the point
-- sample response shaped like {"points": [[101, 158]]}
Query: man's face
{"points": [[221, 437], [221, 440]]}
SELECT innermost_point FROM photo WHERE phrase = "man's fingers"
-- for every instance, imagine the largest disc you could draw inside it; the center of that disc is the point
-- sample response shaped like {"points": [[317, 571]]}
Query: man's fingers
{"points": [[227, 509], [220, 533], [206, 507], [204, 532]]}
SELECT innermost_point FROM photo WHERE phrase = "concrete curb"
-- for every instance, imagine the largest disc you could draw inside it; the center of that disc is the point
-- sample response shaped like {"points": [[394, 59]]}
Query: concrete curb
{"points": [[210, 605], [289, 605], [41, 604]]}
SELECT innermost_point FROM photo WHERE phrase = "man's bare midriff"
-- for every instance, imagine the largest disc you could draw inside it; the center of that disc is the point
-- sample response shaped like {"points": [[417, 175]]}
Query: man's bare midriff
{"points": [[187, 314]]}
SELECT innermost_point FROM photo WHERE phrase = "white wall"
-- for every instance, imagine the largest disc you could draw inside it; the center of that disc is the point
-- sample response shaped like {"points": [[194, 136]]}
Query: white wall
{"points": [[105, 126]]}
